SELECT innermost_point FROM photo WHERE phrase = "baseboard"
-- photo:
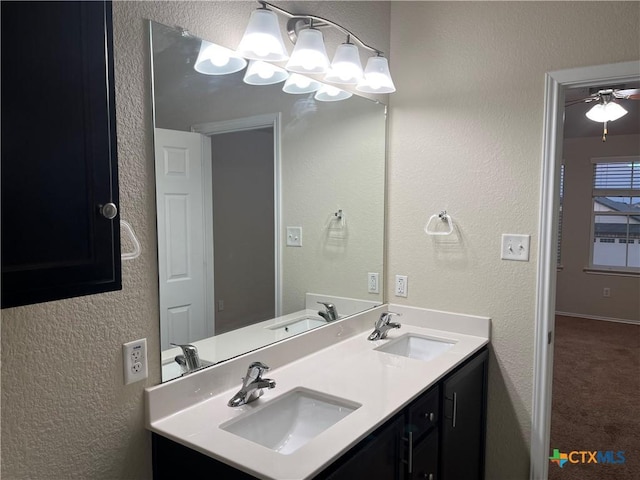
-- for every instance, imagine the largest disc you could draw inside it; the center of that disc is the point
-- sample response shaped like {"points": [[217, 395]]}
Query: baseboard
{"points": [[595, 317]]}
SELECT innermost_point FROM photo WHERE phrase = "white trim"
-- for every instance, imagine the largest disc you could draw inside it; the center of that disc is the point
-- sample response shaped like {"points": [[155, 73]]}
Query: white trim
{"points": [[273, 120], [207, 199], [596, 317], [616, 159], [555, 83]]}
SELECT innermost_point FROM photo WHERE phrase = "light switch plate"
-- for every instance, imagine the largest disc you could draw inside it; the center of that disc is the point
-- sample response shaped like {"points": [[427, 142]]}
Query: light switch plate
{"points": [[294, 236], [515, 247]]}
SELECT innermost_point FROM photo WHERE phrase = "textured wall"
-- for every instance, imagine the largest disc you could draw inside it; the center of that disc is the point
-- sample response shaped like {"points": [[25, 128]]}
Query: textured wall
{"points": [[579, 292], [65, 412], [466, 136]]}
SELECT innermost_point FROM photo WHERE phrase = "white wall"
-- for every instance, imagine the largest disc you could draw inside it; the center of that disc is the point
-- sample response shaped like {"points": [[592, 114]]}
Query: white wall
{"points": [[466, 136], [65, 412], [579, 292]]}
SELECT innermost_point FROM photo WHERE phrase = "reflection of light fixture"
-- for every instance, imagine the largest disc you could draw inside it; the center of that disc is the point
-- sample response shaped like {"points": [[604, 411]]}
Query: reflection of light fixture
{"points": [[606, 112], [297, 84], [264, 73], [216, 60], [346, 67], [309, 55], [262, 39], [328, 93], [377, 78]]}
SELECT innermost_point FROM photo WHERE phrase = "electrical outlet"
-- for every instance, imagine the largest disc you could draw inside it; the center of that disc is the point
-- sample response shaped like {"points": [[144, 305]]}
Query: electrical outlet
{"points": [[372, 283], [606, 292], [402, 284], [134, 360], [294, 236]]}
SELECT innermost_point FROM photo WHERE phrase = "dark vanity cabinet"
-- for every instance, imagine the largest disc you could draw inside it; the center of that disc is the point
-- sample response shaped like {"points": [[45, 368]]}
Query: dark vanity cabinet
{"points": [[438, 436], [60, 227]]}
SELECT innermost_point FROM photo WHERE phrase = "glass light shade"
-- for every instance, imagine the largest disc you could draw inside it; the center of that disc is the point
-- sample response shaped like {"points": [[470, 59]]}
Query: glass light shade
{"points": [[346, 67], [264, 73], [298, 84], [377, 78], [262, 39], [328, 93], [216, 60], [607, 112], [309, 55]]}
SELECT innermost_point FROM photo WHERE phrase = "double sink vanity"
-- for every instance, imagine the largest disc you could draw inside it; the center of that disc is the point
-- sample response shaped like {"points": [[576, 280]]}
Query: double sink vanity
{"points": [[338, 403]]}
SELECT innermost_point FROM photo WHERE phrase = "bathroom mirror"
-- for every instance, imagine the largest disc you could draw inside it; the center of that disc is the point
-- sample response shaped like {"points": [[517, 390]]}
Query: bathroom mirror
{"points": [[267, 203]]}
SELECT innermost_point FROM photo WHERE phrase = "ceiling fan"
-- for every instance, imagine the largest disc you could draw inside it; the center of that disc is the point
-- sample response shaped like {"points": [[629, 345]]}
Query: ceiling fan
{"points": [[607, 108]]}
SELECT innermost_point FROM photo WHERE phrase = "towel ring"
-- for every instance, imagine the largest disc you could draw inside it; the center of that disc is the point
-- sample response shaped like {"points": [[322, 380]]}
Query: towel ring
{"points": [[445, 218]]}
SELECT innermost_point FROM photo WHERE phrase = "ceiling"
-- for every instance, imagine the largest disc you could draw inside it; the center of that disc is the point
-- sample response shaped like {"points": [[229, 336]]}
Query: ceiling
{"points": [[576, 124]]}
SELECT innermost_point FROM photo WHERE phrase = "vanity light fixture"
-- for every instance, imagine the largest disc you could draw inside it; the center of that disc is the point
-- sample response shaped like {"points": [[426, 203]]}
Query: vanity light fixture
{"points": [[299, 84], [264, 73], [216, 60], [329, 93], [377, 78], [309, 54], [262, 39], [346, 67]]}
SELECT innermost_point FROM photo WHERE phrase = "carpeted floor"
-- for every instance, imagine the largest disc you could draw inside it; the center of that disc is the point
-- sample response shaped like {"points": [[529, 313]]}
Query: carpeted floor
{"points": [[596, 397]]}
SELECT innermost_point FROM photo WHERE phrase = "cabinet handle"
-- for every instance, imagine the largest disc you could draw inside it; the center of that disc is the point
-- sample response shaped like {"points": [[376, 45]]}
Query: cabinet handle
{"points": [[409, 462], [428, 476], [109, 210], [430, 416], [455, 409]]}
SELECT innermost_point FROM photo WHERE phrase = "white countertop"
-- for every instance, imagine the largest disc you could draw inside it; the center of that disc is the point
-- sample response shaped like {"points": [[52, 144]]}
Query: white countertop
{"points": [[350, 369]]}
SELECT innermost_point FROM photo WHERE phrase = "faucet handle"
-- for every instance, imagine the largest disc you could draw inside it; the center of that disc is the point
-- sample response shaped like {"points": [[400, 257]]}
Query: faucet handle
{"points": [[256, 369], [388, 315], [385, 317], [327, 305], [190, 353]]}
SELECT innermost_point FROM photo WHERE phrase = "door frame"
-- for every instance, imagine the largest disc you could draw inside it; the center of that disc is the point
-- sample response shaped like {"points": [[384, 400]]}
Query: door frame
{"points": [[553, 133], [268, 120]]}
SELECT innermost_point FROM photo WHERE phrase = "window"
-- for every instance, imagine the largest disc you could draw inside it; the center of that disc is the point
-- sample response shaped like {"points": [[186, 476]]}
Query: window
{"points": [[616, 214]]}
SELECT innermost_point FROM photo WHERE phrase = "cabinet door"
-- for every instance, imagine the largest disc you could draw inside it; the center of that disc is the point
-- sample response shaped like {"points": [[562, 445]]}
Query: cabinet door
{"points": [[464, 421], [377, 457], [59, 162], [425, 458]]}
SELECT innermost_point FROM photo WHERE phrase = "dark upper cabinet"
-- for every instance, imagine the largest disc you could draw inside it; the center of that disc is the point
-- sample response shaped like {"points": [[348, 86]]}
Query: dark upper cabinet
{"points": [[59, 163]]}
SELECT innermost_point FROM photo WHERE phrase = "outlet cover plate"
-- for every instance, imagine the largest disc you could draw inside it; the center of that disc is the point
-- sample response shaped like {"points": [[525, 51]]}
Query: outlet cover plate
{"points": [[515, 247], [134, 359], [294, 236]]}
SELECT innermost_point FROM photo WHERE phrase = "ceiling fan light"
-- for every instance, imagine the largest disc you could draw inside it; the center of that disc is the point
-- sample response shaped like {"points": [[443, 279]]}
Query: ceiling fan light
{"points": [[216, 60], [299, 84], [607, 112], [329, 93], [377, 78], [309, 55], [346, 67], [264, 73], [262, 39]]}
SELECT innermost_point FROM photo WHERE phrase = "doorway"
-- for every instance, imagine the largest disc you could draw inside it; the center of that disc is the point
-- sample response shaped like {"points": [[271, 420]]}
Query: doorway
{"points": [[556, 84]]}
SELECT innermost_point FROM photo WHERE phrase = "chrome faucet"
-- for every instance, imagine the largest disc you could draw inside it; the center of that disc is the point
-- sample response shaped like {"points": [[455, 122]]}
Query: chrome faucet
{"points": [[252, 385], [189, 358], [383, 325], [330, 314]]}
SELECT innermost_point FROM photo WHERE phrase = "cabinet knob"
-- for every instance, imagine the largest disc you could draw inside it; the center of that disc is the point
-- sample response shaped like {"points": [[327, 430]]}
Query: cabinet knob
{"points": [[430, 416], [109, 211], [428, 476]]}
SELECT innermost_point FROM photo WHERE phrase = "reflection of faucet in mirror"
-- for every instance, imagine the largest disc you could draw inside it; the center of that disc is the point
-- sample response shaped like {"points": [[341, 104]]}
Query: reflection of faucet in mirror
{"points": [[252, 385], [331, 312], [383, 325], [189, 357]]}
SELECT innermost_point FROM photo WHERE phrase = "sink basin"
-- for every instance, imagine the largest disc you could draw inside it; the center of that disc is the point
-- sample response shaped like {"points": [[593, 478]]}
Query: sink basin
{"points": [[286, 423], [297, 325], [417, 346]]}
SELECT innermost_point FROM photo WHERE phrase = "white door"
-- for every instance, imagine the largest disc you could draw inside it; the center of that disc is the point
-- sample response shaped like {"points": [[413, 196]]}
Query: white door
{"points": [[181, 250]]}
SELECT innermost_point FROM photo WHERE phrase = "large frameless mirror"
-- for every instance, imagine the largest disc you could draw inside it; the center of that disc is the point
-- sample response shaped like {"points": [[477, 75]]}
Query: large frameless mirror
{"points": [[267, 204]]}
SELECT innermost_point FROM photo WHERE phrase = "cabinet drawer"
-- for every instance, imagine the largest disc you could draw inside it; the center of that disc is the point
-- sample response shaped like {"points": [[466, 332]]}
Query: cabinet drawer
{"points": [[425, 458], [423, 414]]}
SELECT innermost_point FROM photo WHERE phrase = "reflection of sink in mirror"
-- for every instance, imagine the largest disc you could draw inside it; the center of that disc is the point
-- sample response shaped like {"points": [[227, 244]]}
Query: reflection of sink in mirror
{"points": [[296, 325], [288, 422], [417, 346]]}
